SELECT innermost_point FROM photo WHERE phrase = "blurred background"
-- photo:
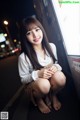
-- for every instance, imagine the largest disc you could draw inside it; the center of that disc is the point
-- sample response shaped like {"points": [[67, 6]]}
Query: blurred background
{"points": [[12, 13]]}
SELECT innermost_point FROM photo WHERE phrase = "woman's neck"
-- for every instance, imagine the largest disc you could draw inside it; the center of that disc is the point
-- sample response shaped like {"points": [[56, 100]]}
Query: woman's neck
{"points": [[38, 48], [40, 51]]}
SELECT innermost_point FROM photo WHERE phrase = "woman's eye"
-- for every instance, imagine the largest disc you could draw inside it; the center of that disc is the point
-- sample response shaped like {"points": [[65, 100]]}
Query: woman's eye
{"points": [[37, 29], [28, 33]]}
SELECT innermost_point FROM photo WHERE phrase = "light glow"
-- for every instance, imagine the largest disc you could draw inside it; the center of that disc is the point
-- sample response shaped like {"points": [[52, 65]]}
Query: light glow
{"points": [[5, 22], [68, 16]]}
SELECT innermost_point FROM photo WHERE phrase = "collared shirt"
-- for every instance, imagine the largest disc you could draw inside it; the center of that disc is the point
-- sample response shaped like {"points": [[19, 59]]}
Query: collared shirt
{"points": [[26, 71]]}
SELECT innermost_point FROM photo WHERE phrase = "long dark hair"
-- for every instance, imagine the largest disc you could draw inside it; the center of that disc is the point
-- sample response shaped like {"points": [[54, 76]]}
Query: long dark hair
{"points": [[27, 46]]}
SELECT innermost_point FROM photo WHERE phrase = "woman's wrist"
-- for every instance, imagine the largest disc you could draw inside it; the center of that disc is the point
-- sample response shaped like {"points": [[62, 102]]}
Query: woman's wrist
{"points": [[39, 73], [58, 67]]}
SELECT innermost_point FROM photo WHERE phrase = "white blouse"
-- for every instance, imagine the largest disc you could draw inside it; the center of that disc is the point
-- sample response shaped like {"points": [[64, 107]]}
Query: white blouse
{"points": [[26, 71]]}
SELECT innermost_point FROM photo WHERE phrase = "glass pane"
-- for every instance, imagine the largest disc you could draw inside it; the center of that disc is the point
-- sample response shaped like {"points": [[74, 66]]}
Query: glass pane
{"points": [[68, 15]]}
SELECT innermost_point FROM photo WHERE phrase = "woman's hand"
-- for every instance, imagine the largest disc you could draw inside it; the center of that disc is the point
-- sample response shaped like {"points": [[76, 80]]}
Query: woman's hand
{"points": [[45, 73], [53, 69]]}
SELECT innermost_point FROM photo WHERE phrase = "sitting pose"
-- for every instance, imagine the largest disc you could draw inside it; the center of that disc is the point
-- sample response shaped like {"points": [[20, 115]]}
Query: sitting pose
{"points": [[38, 67]]}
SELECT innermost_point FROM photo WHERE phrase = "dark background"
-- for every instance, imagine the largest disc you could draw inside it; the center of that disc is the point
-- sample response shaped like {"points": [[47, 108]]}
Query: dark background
{"points": [[14, 11]]}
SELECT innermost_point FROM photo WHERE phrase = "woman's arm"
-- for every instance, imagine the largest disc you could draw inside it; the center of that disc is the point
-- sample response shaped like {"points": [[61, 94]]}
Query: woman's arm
{"points": [[26, 72], [54, 50]]}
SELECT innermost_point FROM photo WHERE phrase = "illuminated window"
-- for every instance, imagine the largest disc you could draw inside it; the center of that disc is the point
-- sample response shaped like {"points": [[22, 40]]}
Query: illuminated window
{"points": [[68, 15]]}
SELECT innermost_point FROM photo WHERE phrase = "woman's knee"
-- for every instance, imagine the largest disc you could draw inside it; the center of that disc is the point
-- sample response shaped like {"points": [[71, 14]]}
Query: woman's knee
{"points": [[43, 85], [59, 79]]}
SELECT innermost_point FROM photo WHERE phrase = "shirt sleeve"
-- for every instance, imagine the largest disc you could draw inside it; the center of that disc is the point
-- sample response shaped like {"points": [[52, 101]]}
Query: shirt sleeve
{"points": [[58, 66], [54, 50], [35, 75], [25, 72]]}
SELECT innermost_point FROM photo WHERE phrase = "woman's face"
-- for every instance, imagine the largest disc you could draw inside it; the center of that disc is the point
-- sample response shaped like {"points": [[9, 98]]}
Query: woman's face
{"points": [[35, 35]]}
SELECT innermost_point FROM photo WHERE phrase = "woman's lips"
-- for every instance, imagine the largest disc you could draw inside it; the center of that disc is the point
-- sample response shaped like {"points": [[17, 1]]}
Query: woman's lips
{"points": [[36, 39]]}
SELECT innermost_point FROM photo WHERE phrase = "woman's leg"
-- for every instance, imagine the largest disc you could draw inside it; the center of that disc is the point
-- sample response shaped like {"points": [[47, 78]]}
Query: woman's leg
{"points": [[40, 88], [57, 82]]}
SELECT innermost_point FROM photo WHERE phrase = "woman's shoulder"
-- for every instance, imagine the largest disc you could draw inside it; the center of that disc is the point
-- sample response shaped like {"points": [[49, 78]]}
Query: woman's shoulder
{"points": [[22, 55], [54, 50], [52, 45]]}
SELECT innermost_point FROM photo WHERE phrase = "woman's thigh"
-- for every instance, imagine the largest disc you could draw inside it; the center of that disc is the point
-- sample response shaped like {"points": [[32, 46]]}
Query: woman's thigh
{"points": [[38, 87], [58, 79]]}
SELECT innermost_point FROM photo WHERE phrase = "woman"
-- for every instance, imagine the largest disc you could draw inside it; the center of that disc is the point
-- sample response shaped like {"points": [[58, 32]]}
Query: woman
{"points": [[38, 67]]}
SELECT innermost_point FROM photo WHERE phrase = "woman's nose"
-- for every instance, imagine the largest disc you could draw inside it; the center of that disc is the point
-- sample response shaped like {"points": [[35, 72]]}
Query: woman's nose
{"points": [[34, 34]]}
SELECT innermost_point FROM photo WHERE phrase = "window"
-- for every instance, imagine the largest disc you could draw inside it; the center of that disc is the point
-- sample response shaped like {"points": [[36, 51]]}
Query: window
{"points": [[68, 15]]}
